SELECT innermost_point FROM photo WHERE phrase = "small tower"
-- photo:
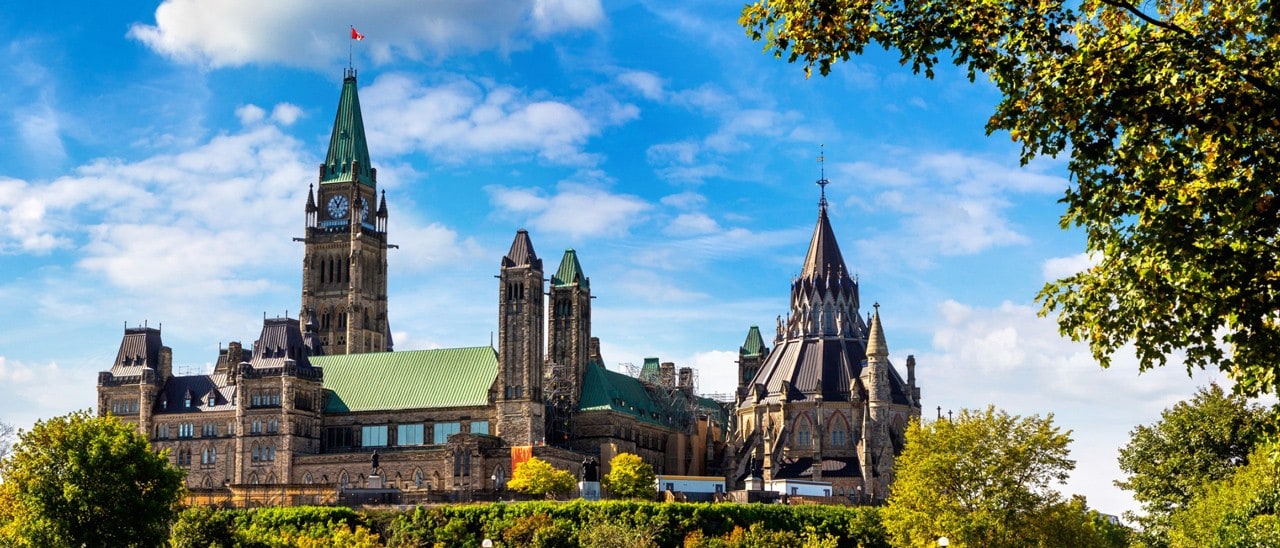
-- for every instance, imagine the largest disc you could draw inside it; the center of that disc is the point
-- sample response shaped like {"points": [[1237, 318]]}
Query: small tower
{"points": [[518, 388], [569, 323], [344, 265], [877, 448], [751, 354]]}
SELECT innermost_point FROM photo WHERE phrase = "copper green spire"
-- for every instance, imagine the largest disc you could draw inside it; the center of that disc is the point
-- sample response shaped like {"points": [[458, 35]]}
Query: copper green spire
{"points": [[754, 344], [348, 149]]}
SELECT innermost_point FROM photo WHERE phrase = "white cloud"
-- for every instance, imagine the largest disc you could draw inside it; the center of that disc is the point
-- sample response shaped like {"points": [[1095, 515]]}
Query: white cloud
{"points": [[1057, 268], [947, 203], [314, 33], [551, 16], [648, 84], [461, 119], [691, 224], [286, 114], [1008, 356], [685, 200], [250, 114], [574, 209]]}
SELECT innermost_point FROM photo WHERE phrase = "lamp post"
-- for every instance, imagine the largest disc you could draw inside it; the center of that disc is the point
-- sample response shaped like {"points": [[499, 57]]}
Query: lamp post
{"points": [[943, 542], [859, 494]]}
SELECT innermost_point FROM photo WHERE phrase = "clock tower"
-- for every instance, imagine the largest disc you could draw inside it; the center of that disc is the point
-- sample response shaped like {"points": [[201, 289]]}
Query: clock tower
{"points": [[344, 266]]}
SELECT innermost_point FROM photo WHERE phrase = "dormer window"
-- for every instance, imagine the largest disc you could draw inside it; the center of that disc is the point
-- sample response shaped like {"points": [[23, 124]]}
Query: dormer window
{"points": [[164, 405], [212, 399], [187, 402]]}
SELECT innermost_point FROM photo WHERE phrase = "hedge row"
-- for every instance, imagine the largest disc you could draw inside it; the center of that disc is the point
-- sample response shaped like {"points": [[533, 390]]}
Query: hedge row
{"points": [[572, 524]]}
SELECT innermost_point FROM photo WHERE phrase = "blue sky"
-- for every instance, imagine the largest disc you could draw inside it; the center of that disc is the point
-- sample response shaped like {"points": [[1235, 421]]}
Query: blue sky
{"points": [[157, 158]]}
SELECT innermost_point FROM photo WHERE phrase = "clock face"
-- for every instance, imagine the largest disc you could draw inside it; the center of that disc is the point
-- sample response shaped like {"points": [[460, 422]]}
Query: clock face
{"points": [[364, 211], [338, 207]]}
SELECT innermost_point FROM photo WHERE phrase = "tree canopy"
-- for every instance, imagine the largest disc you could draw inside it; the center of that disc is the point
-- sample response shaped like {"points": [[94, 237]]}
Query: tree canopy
{"points": [[1240, 510], [537, 477], [80, 480], [1193, 444], [1169, 113], [630, 477], [984, 479]]}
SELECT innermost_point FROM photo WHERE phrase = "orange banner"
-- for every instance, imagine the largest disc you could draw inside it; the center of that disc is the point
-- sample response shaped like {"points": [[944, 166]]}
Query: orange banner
{"points": [[519, 454]]}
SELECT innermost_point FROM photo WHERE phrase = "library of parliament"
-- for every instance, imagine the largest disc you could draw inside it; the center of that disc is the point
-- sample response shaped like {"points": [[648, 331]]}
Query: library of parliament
{"points": [[316, 399]]}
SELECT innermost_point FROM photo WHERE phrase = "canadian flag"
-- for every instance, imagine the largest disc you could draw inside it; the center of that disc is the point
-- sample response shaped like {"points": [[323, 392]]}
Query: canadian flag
{"points": [[356, 35]]}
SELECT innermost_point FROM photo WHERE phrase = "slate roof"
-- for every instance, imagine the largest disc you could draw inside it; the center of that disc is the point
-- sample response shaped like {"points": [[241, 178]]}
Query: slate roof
{"points": [[570, 272], [347, 143], [281, 340], [172, 398], [415, 379], [754, 345], [522, 253], [824, 253], [140, 349]]}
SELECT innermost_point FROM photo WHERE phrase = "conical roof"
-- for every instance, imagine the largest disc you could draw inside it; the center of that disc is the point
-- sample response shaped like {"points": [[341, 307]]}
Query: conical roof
{"points": [[876, 345], [522, 253], [570, 272], [824, 253], [347, 144]]}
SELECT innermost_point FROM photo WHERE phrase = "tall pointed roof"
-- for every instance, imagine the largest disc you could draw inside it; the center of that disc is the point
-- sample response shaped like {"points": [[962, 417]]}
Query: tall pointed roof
{"points": [[570, 272], [876, 345], [347, 144], [824, 253], [754, 344], [522, 253]]}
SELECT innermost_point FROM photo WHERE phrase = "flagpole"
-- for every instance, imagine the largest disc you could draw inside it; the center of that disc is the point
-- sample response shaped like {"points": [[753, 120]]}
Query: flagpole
{"points": [[350, 48]]}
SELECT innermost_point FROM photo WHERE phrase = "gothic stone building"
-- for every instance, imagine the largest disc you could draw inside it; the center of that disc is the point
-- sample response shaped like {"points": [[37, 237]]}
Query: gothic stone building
{"points": [[311, 400], [825, 405]]}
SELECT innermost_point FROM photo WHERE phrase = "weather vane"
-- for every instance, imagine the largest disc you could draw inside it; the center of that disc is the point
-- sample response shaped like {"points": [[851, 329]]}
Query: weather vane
{"points": [[823, 182]]}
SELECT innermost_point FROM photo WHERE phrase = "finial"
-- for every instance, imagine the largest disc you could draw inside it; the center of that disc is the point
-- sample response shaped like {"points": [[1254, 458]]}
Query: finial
{"points": [[877, 306], [822, 182]]}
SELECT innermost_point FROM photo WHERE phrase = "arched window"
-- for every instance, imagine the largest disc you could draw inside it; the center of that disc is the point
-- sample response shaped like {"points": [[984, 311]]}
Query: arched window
{"points": [[839, 431], [804, 434], [343, 480], [417, 478], [307, 479], [253, 478]]}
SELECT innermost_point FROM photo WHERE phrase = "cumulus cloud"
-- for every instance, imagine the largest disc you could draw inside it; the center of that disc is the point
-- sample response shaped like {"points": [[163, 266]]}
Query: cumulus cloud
{"points": [[314, 32], [573, 209], [250, 114], [461, 118], [1008, 356]]}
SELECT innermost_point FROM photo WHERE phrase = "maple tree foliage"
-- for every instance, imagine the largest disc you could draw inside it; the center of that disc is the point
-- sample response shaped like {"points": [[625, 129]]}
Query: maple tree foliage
{"points": [[538, 477], [1169, 115]]}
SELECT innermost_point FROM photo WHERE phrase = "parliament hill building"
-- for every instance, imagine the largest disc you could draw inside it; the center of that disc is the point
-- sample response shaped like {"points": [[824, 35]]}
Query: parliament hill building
{"points": [[307, 406]]}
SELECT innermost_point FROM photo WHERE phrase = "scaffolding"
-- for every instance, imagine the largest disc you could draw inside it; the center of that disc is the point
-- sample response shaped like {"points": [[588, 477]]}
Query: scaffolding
{"points": [[557, 386]]}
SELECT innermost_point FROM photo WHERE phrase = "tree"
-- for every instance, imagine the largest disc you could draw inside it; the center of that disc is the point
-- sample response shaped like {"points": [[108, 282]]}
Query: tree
{"points": [[537, 477], [1169, 120], [80, 480], [630, 477], [982, 479], [1193, 444], [1240, 510]]}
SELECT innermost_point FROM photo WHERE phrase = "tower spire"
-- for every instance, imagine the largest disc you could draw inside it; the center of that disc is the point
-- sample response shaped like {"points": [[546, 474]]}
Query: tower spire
{"points": [[822, 181], [348, 156]]}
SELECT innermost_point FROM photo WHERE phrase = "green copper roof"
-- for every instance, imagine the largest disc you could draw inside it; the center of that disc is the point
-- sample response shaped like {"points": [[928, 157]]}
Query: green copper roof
{"points": [[605, 390], [417, 379], [347, 144], [754, 345], [570, 272]]}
